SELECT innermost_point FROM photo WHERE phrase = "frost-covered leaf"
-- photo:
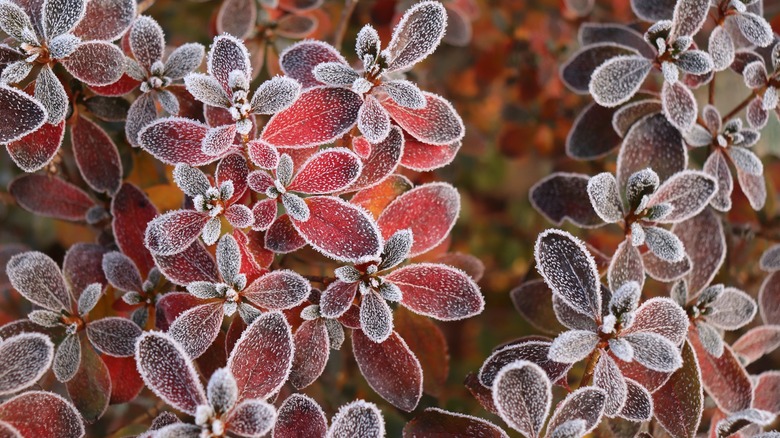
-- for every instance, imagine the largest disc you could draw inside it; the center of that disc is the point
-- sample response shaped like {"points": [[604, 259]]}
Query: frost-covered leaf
{"points": [[96, 63], [573, 346], [222, 390], [570, 271], [106, 20], [67, 358], [24, 359], [757, 342], [327, 171], [89, 298], [523, 395], [251, 418], [679, 105], [22, 114], [655, 351], [710, 338], [732, 309], [340, 230], [652, 143], [745, 160], [435, 421], [627, 115], [61, 16], [695, 62], [429, 211], [688, 17], [167, 370], [335, 73], [176, 140], [688, 193], [312, 349], [275, 95], [299, 417], [721, 48], [226, 55], [405, 93], [196, 328], [96, 156], [237, 17], [298, 61], [173, 232], [14, 21], [277, 290], [376, 317], [49, 196], [717, 166], [664, 244], [608, 377], [724, 378], [146, 41], [206, 89], [55, 417], [416, 36], [742, 419], [618, 79], [114, 336], [262, 357], [50, 92], [585, 403], [318, 116], [679, 402], [755, 28], [564, 196], [337, 298], [578, 69], [626, 265], [437, 123], [373, 120], [605, 198], [38, 278], [534, 350], [390, 368], [185, 59], [438, 291], [592, 135], [358, 418]]}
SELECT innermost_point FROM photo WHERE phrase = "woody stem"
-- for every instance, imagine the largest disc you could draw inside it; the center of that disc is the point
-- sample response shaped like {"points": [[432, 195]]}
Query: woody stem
{"points": [[341, 30], [593, 359]]}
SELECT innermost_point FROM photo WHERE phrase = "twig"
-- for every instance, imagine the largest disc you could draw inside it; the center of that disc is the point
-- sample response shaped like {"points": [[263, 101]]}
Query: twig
{"points": [[739, 108], [341, 30]]}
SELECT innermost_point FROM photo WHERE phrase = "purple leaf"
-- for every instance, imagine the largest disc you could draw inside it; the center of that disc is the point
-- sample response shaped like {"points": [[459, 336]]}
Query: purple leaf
{"points": [[523, 395], [24, 359]]}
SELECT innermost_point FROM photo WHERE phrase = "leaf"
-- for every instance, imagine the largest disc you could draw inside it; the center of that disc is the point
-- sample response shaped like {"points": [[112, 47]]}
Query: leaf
{"points": [[67, 358], [651, 143], [382, 161], [24, 359], [106, 20], [585, 403], [717, 166], [688, 17], [660, 316], [237, 17], [563, 196], [438, 291], [312, 349], [755, 28], [96, 156], [592, 135], [653, 10], [757, 342], [168, 372], [48, 196], [320, 115], [50, 92], [754, 188], [340, 230], [275, 95], [626, 265], [533, 350], [721, 48], [578, 69], [176, 140], [429, 211], [300, 417], [573, 346], [688, 193], [126, 383], [90, 387], [605, 198], [358, 418], [664, 244], [262, 358], [679, 402], [226, 55], [54, 417], [607, 376], [328, 171], [114, 336], [38, 278], [416, 36], [422, 335], [196, 328], [654, 351], [639, 404], [438, 422], [298, 60], [390, 368], [174, 231], [595, 33], [766, 390], [373, 120], [146, 41], [437, 123], [724, 378], [732, 309], [95, 63], [570, 271], [523, 395], [533, 301], [251, 418], [618, 79], [278, 290], [679, 105], [35, 150]]}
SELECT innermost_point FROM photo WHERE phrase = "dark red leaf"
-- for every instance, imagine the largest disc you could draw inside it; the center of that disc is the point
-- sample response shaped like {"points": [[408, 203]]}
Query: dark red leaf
{"points": [[390, 368], [96, 63], [83, 265], [382, 160], [299, 60], [126, 383], [36, 149], [300, 417], [54, 416], [124, 85], [96, 156], [652, 142], [328, 171], [724, 377], [564, 196], [679, 402], [437, 124], [176, 140], [90, 388], [106, 19], [425, 338], [49, 196], [592, 135], [132, 210], [535, 351], [312, 349], [174, 231], [769, 299], [20, 114], [282, 237], [438, 422], [171, 305], [193, 264], [233, 168], [196, 328], [375, 199], [533, 301], [424, 157]]}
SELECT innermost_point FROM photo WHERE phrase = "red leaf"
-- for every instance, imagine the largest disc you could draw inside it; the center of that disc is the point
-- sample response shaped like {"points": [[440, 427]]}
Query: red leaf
{"points": [[337, 299], [90, 388], [132, 210], [263, 154], [49, 196], [300, 417], [278, 290], [390, 368], [113, 336], [168, 372], [54, 417], [262, 357], [328, 171], [757, 342], [382, 161], [249, 265], [174, 231], [424, 157], [652, 142], [766, 395], [171, 305], [679, 402], [438, 291], [769, 299], [36, 149], [429, 210], [312, 349], [299, 60], [193, 264], [124, 85], [282, 237], [724, 377], [264, 214], [319, 116], [438, 422], [375, 199], [256, 246], [426, 339], [340, 230], [233, 168], [533, 350], [126, 383], [196, 328], [176, 140], [96, 156], [437, 124], [83, 265], [96, 63], [106, 19]]}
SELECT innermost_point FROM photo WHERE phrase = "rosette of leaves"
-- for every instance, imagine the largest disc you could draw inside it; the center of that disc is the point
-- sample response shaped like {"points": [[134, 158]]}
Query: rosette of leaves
{"points": [[155, 77], [522, 394], [197, 327], [234, 400], [300, 415], [175, 231], [616, 63], [621, 339], [730, 143], [765, 89], [139, 295], [374, 98], [227, 86]]}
